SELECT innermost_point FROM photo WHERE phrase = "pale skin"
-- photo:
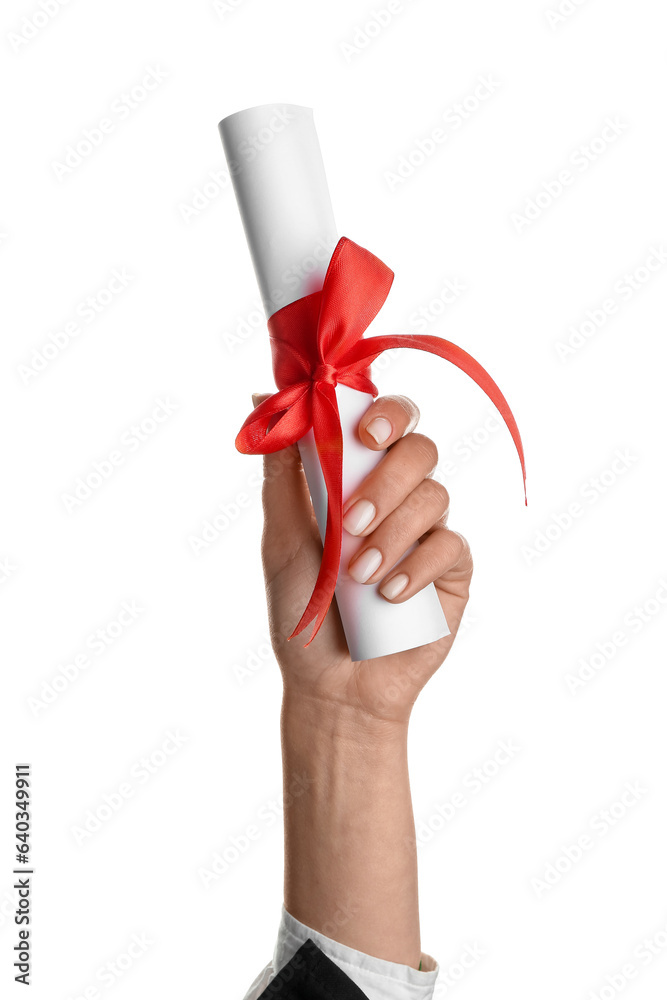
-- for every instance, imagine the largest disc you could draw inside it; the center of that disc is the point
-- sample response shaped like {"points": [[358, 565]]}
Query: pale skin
{"points": [[350, 853]]}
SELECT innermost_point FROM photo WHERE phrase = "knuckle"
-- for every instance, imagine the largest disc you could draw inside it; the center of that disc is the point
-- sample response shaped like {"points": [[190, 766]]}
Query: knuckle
{"points": [[461, 551], [412, 503], [435, 494], [431, 560], [425, 449], [399, 538]]}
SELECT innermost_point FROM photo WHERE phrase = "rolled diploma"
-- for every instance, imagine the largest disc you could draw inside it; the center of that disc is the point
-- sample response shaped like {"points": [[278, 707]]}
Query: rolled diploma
{"points": [[276, 164]]}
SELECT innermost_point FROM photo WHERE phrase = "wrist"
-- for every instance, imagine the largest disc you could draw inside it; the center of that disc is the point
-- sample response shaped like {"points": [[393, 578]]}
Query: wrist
{"points": [[313, 722]]}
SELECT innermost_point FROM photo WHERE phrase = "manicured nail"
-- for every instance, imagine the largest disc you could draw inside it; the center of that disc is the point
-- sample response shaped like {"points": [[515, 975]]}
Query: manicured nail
{"points": [[379, 429], [364, 567], [255, 398], [359, 516], [392, 588]]}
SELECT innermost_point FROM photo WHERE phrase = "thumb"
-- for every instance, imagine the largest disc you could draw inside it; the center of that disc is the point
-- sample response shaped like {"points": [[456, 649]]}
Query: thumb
{"points": [[289, 520]]}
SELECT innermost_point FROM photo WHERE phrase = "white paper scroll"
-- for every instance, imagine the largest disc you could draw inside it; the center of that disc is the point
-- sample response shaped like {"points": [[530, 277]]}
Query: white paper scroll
{"points": [[276, 165]]}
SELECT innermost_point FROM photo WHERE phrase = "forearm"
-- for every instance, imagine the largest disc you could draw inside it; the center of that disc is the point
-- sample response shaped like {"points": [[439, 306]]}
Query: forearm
{"points": [[350, 854]]}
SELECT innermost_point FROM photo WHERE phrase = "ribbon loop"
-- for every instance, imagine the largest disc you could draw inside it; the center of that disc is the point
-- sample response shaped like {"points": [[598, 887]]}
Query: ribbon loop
{"points": [[316, 343]]}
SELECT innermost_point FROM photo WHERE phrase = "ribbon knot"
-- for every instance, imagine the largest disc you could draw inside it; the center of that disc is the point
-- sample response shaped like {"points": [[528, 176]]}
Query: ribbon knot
{"points": [[325, 373], [317, 342]]}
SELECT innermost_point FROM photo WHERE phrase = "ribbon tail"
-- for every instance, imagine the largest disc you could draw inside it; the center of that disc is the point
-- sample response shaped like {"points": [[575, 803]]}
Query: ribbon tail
{"points": [[329, 441], [368, 350]]}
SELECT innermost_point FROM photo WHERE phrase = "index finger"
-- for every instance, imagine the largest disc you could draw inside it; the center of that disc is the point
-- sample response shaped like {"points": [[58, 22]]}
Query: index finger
{"points": [[386, 420]]}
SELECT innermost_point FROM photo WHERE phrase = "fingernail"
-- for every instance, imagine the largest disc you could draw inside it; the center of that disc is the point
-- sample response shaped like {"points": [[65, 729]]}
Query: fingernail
{"points": [[379, 429], [392, 588], [359, 516], [364, 567], [255, 398]]}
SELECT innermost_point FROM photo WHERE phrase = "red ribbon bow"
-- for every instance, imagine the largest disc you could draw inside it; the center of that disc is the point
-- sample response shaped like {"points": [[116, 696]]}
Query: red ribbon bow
{"points": [[317, 342]]}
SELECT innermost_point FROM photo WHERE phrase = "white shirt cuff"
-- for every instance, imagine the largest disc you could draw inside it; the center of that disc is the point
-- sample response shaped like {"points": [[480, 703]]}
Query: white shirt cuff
{"points": [[378, 979]]}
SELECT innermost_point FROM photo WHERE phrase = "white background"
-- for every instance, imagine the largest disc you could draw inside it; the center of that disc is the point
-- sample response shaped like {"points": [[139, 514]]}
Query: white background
{"points": [[533, 616]]}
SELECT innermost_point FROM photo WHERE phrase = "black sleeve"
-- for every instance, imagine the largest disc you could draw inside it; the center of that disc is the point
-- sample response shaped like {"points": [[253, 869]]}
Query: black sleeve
{"points": [[310, 975]]}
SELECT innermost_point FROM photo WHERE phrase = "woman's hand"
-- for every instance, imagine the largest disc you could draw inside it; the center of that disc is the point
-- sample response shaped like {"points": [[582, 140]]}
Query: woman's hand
{"points": [[350, 849], [397, 504]]}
